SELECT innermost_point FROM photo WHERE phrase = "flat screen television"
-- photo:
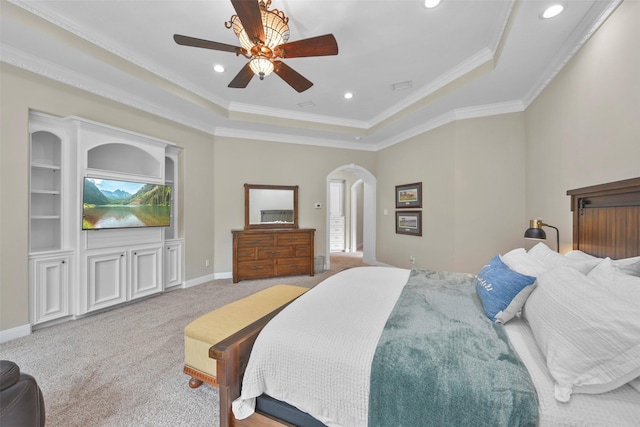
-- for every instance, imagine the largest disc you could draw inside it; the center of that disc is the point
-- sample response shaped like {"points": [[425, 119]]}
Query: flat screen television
{"points": [[108, 203]]}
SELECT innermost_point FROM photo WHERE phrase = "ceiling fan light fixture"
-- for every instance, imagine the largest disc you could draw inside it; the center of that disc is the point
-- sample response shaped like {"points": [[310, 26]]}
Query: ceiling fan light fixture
{"points": [[261, 66], [274, 22]]}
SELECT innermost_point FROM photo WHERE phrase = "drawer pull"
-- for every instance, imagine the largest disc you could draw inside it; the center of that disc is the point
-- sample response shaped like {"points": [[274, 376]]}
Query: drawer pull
{"points": [[256, 268]]}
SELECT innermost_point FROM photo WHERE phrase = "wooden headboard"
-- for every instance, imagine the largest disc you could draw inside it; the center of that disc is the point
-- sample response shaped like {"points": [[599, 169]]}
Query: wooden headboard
{"points": [[606, 219]]}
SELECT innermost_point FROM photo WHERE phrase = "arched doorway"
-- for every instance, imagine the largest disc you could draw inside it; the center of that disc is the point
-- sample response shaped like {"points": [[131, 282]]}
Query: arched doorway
{"points": [[368, 212]]}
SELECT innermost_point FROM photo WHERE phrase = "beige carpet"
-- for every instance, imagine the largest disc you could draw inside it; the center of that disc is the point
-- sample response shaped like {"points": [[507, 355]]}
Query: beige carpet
{"points": [[123, 367]]}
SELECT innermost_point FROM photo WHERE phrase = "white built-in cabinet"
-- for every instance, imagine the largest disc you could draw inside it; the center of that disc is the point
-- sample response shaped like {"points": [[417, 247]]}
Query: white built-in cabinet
{"points": [[336, 216], [73, 272]]}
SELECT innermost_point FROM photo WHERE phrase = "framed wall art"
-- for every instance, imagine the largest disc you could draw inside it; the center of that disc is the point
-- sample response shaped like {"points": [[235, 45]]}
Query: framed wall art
{"points": [[409, 195], [409, 222]]}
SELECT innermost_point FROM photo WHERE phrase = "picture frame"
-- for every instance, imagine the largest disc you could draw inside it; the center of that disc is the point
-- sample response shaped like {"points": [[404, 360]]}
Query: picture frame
{"points": [[409, 222], [409, 196]]}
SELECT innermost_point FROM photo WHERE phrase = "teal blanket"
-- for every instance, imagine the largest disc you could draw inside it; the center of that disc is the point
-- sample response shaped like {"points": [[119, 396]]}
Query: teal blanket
{"points": [[441, 362]]}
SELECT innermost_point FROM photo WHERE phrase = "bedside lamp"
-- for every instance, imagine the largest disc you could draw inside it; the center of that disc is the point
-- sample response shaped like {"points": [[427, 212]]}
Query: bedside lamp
{"points": [[536, 232]]}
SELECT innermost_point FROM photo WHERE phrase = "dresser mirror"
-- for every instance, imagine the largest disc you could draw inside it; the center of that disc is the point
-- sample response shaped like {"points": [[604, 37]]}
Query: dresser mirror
{"points": [[270, 206]]}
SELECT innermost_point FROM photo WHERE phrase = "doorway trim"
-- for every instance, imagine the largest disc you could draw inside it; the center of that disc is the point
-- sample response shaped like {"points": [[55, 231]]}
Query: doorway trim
{"points": [[368, 213]]}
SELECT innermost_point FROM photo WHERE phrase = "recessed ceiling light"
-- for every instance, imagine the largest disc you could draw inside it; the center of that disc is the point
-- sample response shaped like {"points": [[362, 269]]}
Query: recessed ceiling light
{"points": [[552, 11], [218, 68], [430, 4], [348, 95]]}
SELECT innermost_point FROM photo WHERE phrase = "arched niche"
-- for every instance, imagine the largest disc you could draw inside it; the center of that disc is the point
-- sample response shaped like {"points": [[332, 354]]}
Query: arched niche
{"points": [[123, 158]]}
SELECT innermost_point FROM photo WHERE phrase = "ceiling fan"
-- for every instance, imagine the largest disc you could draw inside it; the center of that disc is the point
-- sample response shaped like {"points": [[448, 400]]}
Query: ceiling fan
{"points": [[264, 36]]}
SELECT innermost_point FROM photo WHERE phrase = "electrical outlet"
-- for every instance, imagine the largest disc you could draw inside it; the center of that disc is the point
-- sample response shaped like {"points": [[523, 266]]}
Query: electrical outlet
{"points": [[206, 263], [412, 259]]}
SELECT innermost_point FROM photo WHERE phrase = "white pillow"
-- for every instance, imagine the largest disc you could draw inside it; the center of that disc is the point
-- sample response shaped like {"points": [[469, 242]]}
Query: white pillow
{"points": [[553, 259], [590, 337], [626, 265], [519, 260], [615, 281]]}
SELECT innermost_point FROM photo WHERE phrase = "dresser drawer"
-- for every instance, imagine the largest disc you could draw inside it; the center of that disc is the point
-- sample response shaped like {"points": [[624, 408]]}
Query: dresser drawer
{"points": [[336, 230], [284, 239], [292, 266], [256, 269], [275, 252], [253, 240], [303, 251], [247, 254]]}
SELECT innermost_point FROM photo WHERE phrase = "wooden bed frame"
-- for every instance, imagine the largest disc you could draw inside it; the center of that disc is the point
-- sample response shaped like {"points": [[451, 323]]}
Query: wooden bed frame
{"points": [[606, 222]]}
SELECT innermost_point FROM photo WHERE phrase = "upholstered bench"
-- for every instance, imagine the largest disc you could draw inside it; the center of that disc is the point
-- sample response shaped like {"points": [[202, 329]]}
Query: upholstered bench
{"points": [[219, 324]]}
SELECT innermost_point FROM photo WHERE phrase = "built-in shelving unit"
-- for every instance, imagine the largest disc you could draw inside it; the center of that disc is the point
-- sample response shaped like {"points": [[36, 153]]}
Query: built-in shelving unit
{"points": [[74, 272], [46, 192]]}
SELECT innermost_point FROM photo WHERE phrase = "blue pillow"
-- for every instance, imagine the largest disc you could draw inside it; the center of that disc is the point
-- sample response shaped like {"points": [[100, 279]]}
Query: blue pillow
{"points": [[502, 291]]}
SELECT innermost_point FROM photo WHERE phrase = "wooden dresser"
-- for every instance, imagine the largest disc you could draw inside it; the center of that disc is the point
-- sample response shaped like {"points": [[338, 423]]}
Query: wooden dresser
{"points": [[260, 253]]}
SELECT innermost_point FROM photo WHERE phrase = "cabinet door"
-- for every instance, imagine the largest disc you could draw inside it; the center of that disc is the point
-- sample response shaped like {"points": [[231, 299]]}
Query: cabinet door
{"points": [[107, 280], [173, 265], [50, 284], [146, 272]]}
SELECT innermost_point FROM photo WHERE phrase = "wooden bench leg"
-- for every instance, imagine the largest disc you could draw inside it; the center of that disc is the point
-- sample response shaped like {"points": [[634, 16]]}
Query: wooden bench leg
{"points": [[195, 383]]}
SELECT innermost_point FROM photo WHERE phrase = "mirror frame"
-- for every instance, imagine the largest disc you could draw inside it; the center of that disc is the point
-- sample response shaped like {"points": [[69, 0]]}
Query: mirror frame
{"points": [[247, 201]]}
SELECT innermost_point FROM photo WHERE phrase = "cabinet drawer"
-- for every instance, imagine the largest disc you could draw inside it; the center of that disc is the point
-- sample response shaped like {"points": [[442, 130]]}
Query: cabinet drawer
{"points": [[293, 239], [336, 230], [252, 240], [336, 221], [256, 269], [292, 266], [336, 238], [303, 251], [275, 252], [336, 246], [247, 254]]}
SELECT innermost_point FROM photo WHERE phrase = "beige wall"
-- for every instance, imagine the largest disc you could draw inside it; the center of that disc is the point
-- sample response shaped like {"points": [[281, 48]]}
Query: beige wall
{"points": [[584, 129], [472, 174], [237, 162]]}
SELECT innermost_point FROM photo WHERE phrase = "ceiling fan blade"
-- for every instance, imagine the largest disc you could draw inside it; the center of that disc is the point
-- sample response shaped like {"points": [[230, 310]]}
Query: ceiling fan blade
{"points": [[249, 13], [291, 76], [314, 46], [242, 79], [206, 44]]}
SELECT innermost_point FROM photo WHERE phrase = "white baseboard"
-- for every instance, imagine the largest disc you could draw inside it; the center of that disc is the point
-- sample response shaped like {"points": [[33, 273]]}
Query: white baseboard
{"points": [[13, 333], [198, 280], [209, 277]]}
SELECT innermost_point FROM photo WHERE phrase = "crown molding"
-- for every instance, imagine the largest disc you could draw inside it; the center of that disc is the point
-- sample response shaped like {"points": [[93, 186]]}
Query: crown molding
{"points": [[290, 139]]}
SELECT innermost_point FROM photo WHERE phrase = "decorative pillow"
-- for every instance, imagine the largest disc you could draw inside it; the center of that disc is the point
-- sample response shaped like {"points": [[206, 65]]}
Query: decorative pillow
{"points": [[553, 259], [589, 336], [502, 290], [519, 260], [615, 281]]}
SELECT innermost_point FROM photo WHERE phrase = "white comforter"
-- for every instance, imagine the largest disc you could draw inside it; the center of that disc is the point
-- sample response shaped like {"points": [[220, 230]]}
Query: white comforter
{"points": [[335, 337]]}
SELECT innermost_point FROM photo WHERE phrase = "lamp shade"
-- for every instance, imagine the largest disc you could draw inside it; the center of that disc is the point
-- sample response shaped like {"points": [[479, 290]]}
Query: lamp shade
{"points": [[535, 233]]}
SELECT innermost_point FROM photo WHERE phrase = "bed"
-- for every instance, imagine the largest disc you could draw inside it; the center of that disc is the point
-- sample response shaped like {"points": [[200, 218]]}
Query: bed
{"points": [[381, 387]]}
